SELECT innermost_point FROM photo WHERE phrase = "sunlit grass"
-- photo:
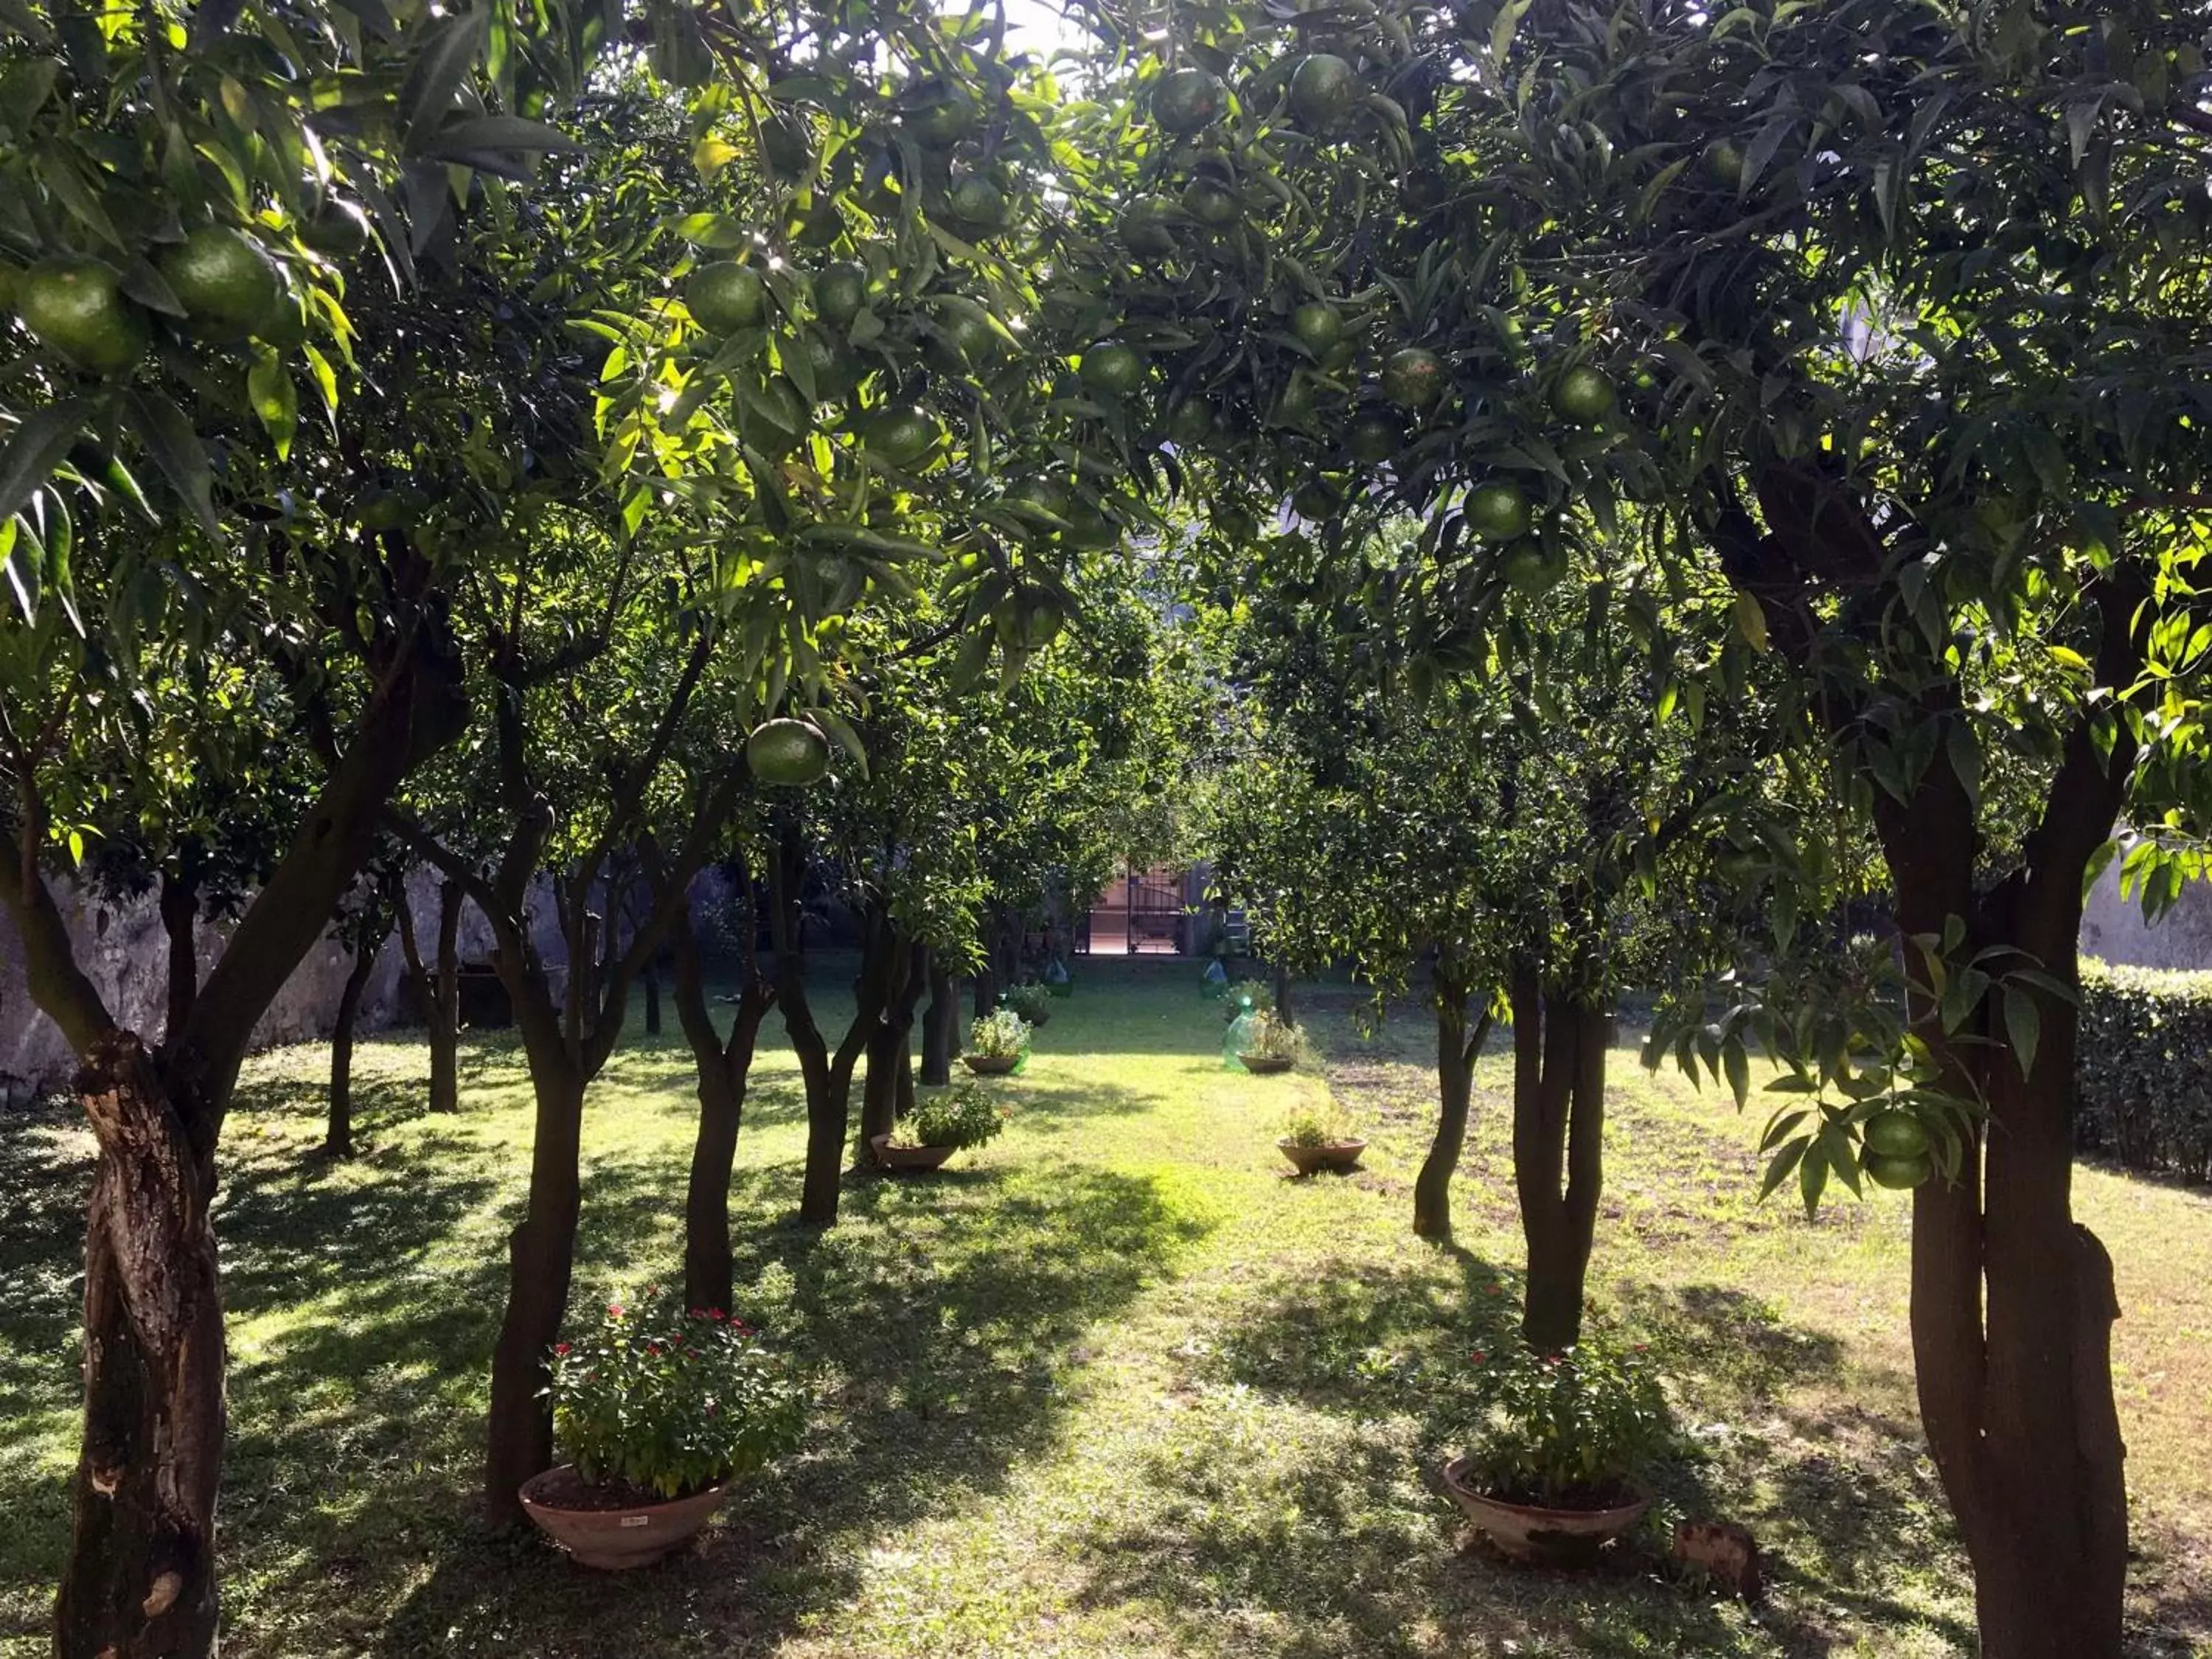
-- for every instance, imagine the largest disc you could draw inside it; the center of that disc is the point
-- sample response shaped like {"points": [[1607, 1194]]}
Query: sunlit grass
{"points": [[1113, 1385]]}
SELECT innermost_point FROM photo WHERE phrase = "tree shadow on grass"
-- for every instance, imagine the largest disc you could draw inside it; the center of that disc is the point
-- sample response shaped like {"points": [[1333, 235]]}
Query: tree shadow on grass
{"points": [[1333, 1537], [942, 1318], [45, 1172]]}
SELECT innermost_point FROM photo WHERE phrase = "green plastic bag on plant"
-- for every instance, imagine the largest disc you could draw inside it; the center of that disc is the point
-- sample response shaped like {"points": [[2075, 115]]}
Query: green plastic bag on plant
{"points": [[1237, 1040]]}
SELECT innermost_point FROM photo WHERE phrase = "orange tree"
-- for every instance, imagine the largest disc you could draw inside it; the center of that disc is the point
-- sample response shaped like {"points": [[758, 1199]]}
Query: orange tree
{"points": [[182, 196], [1542, 836], [1895, 317]]}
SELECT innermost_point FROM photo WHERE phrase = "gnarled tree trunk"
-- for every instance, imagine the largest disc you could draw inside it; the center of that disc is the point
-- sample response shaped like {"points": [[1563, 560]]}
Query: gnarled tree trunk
{"points": [[438, 989], [179, 908], [1560, 1044], [1458, 1047], [2013, 1300], [890, 1068], [725, 1068], [140, 1580], [338, 1137]]}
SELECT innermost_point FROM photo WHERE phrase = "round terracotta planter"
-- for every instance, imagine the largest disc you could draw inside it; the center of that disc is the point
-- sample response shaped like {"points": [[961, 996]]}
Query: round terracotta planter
{"points": [[908, 1157], [1553, 1537], [1265, 1064], [990, 1065], [1340, 1156], [617, 1539]]}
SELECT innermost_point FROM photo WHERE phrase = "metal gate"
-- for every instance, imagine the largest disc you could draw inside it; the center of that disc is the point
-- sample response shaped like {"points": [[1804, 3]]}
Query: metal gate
{"points": [[1142, 914]]}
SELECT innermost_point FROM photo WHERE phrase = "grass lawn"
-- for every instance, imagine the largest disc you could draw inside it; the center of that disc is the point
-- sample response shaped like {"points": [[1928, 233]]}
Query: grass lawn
{"points": [[1112, 1386]]}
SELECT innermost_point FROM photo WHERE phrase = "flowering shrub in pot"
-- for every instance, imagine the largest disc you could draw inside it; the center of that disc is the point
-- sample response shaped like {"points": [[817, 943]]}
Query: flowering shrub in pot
{"points": [[1271, 1043], [1032, 1002], [1319, 1137], [1557, 1448], [658, 1408]]}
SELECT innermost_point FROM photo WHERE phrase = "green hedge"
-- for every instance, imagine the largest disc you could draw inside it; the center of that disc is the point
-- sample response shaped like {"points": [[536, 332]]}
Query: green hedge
{"points": [[2146, 1068]]}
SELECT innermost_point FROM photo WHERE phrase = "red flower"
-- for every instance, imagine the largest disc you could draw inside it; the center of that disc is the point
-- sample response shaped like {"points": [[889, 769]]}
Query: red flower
{"points": [[653, 1348], [698, 1313], [1477, 1356], [559, 1347], [716, 1314], [1489, 1290], [614, 1310]]}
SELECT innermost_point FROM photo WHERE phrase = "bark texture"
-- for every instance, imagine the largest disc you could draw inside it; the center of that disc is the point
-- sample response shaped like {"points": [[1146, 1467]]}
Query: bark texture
{"points": [[337, 1136], [1560, 1044], [725, 1068]]}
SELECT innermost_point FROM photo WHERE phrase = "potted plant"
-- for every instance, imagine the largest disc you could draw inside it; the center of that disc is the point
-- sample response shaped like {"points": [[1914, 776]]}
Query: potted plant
{"points": [[1248, 996], [1033, 1002], [997, 1042], [1270, 1045], [938, 1127], [1316, 1139], [658, 1410], [1558, 1448]]}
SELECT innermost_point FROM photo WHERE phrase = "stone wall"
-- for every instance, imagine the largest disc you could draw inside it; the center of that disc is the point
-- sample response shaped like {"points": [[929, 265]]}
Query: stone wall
{"points": [[2113, 928], [122, 948]]}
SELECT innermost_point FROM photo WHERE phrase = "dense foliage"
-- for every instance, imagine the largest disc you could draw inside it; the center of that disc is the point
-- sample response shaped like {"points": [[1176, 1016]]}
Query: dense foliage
{"points": [[2144, 1099]]}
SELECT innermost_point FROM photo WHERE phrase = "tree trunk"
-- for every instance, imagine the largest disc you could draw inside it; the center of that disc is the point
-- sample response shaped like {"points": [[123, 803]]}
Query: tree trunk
{"points": [[179, 908], [140, 1579], [828, 1078], [940, 1026], [338, 1139], [1560, 1044], [444, 1011], [887, 1050], [2012, 1301], [540, 1256], [1457, 1049], [652, 977], [724, 1070], [1283, 993], [986, 989]]}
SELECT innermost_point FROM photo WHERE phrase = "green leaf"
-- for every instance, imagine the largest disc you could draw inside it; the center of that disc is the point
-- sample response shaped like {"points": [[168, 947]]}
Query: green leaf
{"points": [[276, 403], [35, 448], [178, 452], [436, 74], [2023, 1025]]}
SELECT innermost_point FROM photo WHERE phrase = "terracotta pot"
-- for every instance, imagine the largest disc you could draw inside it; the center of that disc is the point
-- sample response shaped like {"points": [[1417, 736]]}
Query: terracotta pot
{"points": [[908, 1157], [617, 1539], [991, 1065], [1265, 1064], [1341, 1156], [1524, 1533]]}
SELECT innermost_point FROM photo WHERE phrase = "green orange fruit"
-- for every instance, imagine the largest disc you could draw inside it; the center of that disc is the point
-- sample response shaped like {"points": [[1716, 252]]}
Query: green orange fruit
{"points": [[1322, 89], [1499, 512], [1316, 499], [792, 754], [1187, 101], [841, 292], [1029, 618], [1724, 161], [943, 122], [1112, 369], [1583, 394], [1192, 422], [903, 437], [1374, 436], [1414, 378], [1212, 203], [724, 297], [1898, 1173], [788, 141], [77, 309], [337, 228], [1148, 226], [1317, 326], [1530, 569], [222, 276], [976, 201], [1895, 1133]]}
